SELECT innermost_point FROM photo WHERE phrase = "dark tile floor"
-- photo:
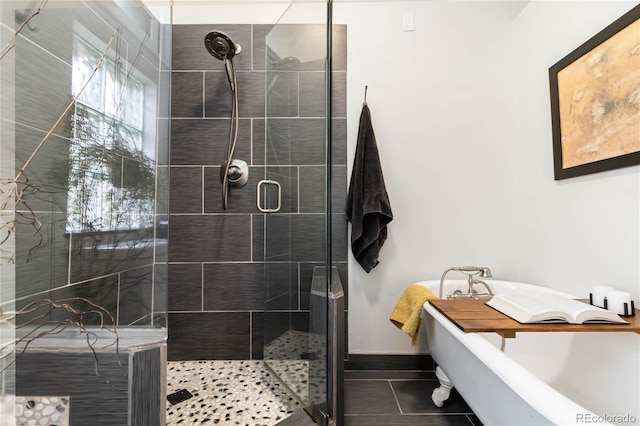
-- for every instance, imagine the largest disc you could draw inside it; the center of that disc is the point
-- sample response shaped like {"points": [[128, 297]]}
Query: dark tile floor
{"points": [[397, 397]]}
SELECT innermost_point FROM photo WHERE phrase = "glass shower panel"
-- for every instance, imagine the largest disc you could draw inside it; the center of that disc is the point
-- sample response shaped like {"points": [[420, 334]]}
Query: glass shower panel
{"points": [[84, 143], [294, 195]]}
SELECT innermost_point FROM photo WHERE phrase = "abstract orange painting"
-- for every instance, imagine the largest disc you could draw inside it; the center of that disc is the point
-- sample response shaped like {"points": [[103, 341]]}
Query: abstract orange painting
{"points": [[595, 102]]}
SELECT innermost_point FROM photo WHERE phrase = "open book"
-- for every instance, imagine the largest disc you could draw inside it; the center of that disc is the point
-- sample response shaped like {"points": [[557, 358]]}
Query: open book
{"points": [[549, 308]]}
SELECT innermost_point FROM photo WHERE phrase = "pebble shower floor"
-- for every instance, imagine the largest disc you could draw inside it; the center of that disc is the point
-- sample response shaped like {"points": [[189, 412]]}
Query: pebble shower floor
{"points": [[227, 393]]}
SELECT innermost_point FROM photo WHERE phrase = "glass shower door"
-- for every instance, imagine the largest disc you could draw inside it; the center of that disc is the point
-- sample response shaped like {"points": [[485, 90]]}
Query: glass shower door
{"points": [[293, 197]]}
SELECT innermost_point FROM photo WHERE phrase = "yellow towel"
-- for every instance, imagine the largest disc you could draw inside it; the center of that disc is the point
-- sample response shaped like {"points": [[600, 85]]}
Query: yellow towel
{"points": [[406, 314]]}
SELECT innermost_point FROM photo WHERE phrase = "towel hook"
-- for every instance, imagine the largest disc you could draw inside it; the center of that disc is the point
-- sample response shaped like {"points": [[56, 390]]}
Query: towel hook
{"points": [[365, 95]]}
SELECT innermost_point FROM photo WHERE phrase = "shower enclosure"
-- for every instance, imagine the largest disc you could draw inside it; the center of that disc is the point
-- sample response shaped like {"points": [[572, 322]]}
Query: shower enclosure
{"points": [[242, 278], [302, 195]]}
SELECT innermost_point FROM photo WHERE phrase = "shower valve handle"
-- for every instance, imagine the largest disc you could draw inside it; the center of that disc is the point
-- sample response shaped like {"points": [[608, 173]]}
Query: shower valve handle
{"points": [[237, 173]]}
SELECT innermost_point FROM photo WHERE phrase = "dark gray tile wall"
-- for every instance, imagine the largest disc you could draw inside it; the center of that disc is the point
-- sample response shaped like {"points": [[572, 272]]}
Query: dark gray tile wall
{"points": [[209, 335], [224, 284]]}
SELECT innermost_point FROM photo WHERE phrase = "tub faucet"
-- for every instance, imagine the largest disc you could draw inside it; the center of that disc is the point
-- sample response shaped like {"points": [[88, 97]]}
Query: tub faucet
{"points": [[473, 282], [471, 271]]}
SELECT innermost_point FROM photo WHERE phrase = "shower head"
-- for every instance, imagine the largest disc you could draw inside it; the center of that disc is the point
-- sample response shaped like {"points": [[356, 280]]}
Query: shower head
{"points": [[220, 45]]}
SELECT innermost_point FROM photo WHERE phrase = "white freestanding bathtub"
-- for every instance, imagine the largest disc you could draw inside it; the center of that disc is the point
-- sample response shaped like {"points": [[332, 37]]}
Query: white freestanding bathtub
{"points": [[543, 378]]}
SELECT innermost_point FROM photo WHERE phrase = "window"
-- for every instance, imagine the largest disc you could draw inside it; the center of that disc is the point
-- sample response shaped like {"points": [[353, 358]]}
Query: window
{"points": [[111, 180]]}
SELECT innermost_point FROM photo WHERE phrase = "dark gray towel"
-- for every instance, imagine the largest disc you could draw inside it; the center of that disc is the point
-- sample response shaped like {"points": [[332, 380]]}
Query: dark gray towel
{"points": [[368, 206]]}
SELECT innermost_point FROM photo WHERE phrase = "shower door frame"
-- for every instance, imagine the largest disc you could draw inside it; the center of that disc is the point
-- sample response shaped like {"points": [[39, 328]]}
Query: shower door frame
{"points": [[326, 294]]}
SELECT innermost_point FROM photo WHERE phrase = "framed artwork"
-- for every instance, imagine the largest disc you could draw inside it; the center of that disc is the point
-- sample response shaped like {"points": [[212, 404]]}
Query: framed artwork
{"points": [[595, 102]]}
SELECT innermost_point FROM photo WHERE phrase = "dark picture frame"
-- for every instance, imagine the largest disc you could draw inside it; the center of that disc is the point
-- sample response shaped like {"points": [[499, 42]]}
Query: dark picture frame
{"points": [[594, 120]]}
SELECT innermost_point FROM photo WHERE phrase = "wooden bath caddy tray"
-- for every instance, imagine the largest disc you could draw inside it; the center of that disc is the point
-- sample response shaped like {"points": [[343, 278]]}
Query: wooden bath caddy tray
{"points": [[473, 316]]}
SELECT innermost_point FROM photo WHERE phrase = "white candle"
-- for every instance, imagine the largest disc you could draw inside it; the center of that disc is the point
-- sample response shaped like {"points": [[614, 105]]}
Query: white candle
{"points": [[598, 293], [616, 300]]}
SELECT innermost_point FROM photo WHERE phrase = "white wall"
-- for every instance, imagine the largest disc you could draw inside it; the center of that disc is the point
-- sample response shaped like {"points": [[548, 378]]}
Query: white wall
{"points": [[576, 232], [460, 108], [461, 114], [247, 12], [441, 99]]}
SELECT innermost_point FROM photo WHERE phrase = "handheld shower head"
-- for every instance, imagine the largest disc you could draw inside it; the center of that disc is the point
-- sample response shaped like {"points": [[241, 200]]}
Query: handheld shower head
{"points": [[220, 45], [472, 270], [232, 172]]}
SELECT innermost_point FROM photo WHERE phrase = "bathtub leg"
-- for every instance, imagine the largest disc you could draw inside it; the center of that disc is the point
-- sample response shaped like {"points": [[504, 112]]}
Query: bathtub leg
{"points": [[441, 394]]}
